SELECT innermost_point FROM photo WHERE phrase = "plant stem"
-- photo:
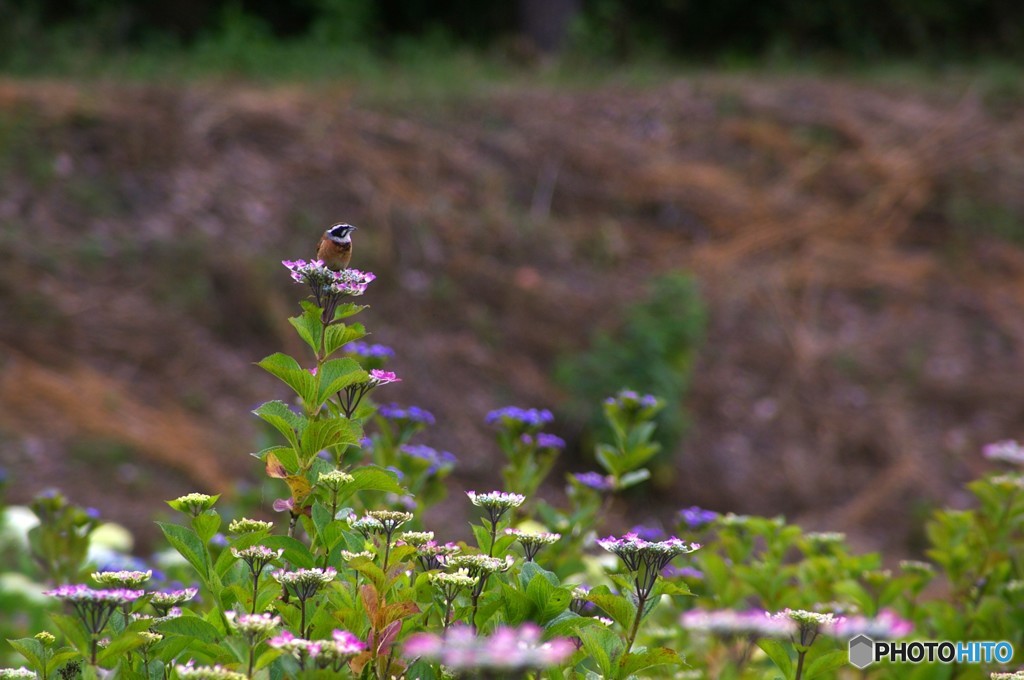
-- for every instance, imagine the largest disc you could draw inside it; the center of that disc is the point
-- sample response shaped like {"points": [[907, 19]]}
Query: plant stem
{"points": [[255, 591], [252, 658], [641, 599], [302, 617], [799, 665]]}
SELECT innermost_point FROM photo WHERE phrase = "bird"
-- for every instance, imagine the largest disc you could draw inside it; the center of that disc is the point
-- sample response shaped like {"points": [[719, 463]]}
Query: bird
{"points": [[335, 247]]}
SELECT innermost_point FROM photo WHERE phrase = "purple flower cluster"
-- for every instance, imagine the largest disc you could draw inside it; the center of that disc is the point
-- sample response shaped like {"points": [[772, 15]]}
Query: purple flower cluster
{"points": [[94, 607], [437, 460], [379, 377], [543, 440], [649, 533], [368, 351], [726, 623], [411, 415], [1008, 451], [696, 518], [327, 653], [506, 649], [594, 480], [628, 399], [644, 558], [514, 417], [887, 625]]}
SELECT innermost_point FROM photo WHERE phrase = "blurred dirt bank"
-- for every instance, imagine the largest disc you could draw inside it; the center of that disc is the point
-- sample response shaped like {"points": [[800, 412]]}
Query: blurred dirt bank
{"points": [[857, 247]]}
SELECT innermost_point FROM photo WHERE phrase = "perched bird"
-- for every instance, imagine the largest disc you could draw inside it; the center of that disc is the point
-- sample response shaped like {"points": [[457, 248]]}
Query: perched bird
{"points": [[335, 247]]}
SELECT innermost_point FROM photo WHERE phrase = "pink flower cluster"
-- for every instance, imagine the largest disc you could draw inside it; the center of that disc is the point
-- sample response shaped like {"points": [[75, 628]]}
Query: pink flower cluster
{"points": [[505, 649]]}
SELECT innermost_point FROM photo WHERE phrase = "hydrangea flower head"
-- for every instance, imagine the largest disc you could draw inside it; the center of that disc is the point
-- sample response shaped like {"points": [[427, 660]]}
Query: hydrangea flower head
{"points": [[22, 673], [193, 504], [380, 377], [253, 626], [496, 503], [122, 578], [506, 649], [533, 542], [305, 583], [887, 625], [94, 607], [249, 526], [1008, 451], [644, 558], [726, 622], [216, 672]]}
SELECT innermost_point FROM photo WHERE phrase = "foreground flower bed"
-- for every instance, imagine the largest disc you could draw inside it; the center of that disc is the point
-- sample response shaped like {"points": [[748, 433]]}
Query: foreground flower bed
{"points": [[350, 583]]}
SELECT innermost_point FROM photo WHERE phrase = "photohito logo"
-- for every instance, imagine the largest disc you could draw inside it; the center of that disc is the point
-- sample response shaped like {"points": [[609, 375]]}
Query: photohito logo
{"points": [[864, 651]]}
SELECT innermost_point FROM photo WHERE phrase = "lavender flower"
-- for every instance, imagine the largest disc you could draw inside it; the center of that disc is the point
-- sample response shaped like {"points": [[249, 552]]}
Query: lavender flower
{"points": [[436, 460], [1008, 451], [379, 377], [696, 518], [672, 571], [406, 417], [94, 607], [543, 440], [507, 649], [649, 533], [594, 480], [886, 625], [520, 420], [726, 622], [367, 351], [432, 555], [164, 601]]}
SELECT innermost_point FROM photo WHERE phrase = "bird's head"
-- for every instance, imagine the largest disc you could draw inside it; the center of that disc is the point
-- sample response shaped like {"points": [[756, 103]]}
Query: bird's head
{"points": [[341, 233]]}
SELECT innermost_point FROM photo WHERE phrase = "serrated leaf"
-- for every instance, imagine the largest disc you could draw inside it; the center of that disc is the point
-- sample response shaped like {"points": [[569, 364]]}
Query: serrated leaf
{"points": [[340, 334], [31, 649], [370, 478], [604, 646], [74, 631], [278, 415], [206, 525], [187, 543], [120, 645], [281, 462], [309, 326], [286, 369], [337, 374], [320, 434], [531, 569], [618, 607], [635, 662], [517, 605], [191, 627]]}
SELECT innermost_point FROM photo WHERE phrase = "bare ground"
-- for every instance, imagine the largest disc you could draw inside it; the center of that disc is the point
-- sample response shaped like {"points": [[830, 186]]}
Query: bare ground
{"points": [[855, 245]]}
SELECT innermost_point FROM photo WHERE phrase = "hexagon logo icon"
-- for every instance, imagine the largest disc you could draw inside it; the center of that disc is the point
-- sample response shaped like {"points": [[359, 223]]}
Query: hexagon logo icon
{"points": [[862, 651]]}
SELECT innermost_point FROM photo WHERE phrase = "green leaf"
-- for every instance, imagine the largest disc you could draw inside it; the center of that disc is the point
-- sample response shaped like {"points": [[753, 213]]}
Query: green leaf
{"points": [[604, 646], [633, 478], [191, 627], [186, 542], [282, 419], [74, 631], [826, 663], [517, 606], [295, 552], [370, 478], [608, 457], [32, 650], [290, 373], [320, 434], [206, 525], [309, 326], [339, 335], [635, 662], [778, 652], [618, 607], [337, 374], [120, 645], [531, 570]]}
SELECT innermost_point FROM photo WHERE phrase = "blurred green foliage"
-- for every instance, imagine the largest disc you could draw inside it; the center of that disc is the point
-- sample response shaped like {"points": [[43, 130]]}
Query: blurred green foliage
{"points": [[35, 33], [653, 353]]}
